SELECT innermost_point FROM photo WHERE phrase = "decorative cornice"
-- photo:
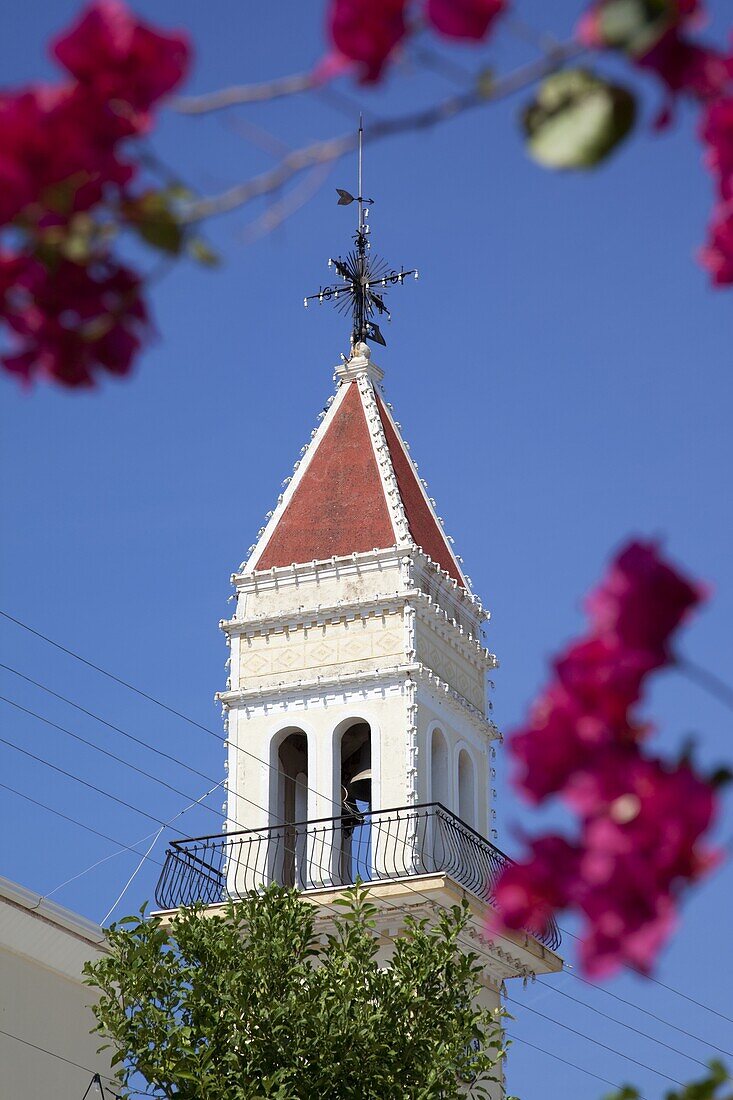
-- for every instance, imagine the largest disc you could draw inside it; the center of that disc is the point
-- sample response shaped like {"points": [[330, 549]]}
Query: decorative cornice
{"points": [[469, 601], [380, 679], [444, 691], [283, 576], [341, 611], [453, 633]]}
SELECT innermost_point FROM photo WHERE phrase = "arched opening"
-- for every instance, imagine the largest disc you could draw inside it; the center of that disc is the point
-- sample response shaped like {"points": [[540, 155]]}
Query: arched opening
{"points": [[440, 777], [466, 789], [356, 795], [291, 809]]}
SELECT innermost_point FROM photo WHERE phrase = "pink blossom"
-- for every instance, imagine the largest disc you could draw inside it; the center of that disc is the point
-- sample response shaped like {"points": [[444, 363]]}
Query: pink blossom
{"points": [[642, 601], [716, 131], [560, 738], [686, 67], [51, 137], [626, 925], [471, 19], [121, 59], [717, 254], [634, 805], [641, 823], [528, 894], [70, 322], [367, 32]]}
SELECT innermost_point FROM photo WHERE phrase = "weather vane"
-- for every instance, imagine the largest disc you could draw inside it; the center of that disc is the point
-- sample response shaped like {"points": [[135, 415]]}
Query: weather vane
{"points": [[365, 277]]}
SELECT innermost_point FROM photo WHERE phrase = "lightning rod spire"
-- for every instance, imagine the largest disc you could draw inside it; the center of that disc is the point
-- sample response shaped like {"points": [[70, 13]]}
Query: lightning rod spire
{"points": [[361, 272]]}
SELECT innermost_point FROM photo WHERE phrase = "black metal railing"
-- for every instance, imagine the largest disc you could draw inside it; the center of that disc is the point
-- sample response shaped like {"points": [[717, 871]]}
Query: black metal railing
{"points": [[333, 852]]}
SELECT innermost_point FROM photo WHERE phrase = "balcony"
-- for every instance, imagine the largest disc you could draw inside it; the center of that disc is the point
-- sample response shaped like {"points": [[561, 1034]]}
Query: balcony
{"points": [[373, 846]]}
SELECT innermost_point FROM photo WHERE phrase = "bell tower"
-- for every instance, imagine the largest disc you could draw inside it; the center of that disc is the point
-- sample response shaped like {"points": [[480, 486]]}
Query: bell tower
{"points": [[359, 741], [357, 667]]}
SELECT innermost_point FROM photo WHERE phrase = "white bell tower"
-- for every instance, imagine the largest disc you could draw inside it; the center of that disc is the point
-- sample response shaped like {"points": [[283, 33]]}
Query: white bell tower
{"points": [[355, 645]]}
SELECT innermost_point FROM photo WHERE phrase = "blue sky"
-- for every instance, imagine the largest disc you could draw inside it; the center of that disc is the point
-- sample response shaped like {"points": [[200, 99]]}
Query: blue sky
{"points": [[562, 372]]}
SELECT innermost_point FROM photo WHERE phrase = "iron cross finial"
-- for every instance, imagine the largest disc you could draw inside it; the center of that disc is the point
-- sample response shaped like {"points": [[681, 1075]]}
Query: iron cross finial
{"points": [[365, 277]]}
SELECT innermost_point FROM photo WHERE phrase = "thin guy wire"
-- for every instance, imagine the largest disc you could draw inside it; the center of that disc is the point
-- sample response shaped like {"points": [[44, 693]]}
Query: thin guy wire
{"points": [[129, 847], [132, 877]]}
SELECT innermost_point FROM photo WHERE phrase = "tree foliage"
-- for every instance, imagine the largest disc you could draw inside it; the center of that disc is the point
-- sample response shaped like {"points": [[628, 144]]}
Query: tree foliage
{"points": [[710, 1087], [255, 1002]]}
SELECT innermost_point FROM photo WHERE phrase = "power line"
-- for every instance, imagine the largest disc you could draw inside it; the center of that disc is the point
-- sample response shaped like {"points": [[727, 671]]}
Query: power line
{"points": [[692, 1000], [72, 820], [53, 1054], [84, 783], [105, 752], [669, 988], [629, 1027], [648, 1012], [160, 703], [104, 722], [596, 1042], [590, 1073]]}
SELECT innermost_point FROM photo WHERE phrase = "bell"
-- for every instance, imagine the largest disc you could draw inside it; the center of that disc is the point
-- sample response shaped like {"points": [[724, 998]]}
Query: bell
{"points": [[360, 787]]}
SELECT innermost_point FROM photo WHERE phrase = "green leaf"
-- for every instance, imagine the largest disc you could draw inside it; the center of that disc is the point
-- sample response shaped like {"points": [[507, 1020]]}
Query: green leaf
{"points": [[202, 252], [635, 25], [577, 119], [154, 217]]}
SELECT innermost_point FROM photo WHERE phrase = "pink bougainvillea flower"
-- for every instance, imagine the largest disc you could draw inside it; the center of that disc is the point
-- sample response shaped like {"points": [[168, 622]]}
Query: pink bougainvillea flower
{"points": [[642, 601], [71, 322], [605, 678], [471, 19], [120, 58], [626, 925], [716, 131], [50, 137], [560, 738], [717, 254], [367, 32], [686, 67], [529, 893], [633, 805], [641, 823]]}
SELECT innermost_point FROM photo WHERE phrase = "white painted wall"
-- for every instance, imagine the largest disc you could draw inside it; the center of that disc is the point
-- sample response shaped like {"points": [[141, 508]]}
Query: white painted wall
{"points": [[43, 1001]]}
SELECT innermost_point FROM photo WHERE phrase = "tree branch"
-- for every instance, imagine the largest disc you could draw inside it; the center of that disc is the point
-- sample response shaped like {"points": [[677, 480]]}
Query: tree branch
{"points": [[332, 149], [247, 93]]}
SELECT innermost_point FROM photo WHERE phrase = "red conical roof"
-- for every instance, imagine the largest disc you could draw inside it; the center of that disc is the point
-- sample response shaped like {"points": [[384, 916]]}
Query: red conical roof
{"points": [[341, 499]]}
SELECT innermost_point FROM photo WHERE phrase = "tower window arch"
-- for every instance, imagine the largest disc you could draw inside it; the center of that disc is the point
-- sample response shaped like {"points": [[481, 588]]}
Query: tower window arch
{"points": [[289, 806], [440, 774], [466, 788]]}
